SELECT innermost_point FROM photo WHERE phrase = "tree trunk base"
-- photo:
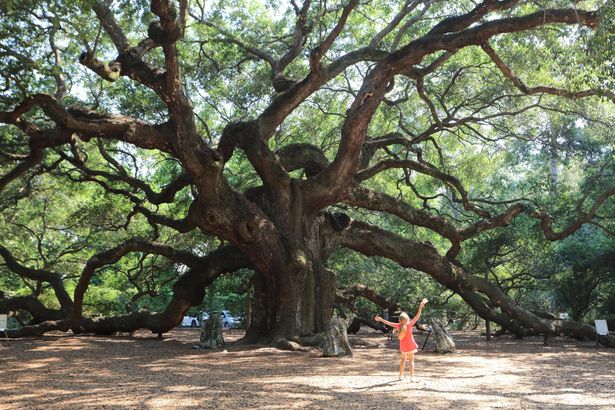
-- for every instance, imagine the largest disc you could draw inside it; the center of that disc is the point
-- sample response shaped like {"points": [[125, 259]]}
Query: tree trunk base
{"points": [[608, 341], [256, 337], [211, 334], [444, 342], [336, 340]]}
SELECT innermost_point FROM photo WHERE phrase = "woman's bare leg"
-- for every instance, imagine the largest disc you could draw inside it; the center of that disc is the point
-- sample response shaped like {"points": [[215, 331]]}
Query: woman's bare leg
{"points": [[411, 364], [402, 364]]}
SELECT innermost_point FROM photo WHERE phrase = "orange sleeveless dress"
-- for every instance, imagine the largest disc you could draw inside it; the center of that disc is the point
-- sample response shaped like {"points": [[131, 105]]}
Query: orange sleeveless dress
{"points": [[407, 344]]}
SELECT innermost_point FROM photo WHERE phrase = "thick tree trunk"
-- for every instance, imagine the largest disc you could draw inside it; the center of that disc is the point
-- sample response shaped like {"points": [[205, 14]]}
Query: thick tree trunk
{"points": [[444, 341], [260, 316], [294, 301], [336, 339], [296, 304], [288, 317], [211, 334]]}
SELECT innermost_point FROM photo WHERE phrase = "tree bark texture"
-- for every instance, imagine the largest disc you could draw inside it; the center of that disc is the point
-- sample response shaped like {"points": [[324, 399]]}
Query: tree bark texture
{"points": [[336, 339], [211, 333], [444, 341]]}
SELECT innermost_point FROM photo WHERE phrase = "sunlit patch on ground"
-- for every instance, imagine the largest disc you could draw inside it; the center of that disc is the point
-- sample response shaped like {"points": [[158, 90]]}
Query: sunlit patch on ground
{"points": [[67, 372]]}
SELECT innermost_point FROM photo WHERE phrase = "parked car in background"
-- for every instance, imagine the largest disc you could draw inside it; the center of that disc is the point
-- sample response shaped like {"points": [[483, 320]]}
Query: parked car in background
{"points": [[240, 322], [194, 321], [227, 320], [190, 321]]}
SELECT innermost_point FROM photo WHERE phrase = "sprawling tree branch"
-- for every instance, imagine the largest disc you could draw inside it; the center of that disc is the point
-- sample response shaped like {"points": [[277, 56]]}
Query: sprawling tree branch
{"points": [[302, 28], [458, 23], [430, 170], [326, 44], [325, 188], [89, 124], [546, 222], [53, 278], [371, 241], [573, 95], [348, 295], [115, 254], [378, 201], [166, 195], [129, 60], [104, 14], [187, 291]]}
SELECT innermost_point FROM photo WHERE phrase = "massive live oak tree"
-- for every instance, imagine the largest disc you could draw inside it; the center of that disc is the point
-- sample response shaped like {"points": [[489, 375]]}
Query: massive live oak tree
{"points": [[276, 133]]}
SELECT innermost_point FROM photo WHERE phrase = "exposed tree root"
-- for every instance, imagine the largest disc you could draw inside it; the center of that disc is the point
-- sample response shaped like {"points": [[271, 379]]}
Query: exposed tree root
{"points": [[286, 344], [357, 341], [312, 340]]}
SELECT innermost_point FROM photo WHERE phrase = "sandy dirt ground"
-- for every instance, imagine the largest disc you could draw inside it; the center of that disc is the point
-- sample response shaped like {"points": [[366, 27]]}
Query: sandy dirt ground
{"points": [[69, 372]]}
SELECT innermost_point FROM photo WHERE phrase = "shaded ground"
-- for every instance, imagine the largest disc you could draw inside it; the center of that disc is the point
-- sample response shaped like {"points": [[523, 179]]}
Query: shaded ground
{"points": [[66, 371]]}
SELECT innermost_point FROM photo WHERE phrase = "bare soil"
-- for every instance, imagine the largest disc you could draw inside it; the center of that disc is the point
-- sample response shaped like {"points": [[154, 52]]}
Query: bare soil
{"points": [[64, 371]]}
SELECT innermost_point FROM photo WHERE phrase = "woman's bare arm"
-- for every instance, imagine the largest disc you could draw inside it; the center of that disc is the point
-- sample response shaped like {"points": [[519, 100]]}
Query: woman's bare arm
{"points": [[418, 313], [386, 322]]}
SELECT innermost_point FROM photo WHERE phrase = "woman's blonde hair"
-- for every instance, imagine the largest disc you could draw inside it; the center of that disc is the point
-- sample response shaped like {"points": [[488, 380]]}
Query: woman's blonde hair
{"points": [[403, 316]]}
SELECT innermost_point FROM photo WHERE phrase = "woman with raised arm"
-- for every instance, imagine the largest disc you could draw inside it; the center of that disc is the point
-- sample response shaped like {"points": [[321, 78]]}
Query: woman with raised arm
{"points": [[407, 345]]}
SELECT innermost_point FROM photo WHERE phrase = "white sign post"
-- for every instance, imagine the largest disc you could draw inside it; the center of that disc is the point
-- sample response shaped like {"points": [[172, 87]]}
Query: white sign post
{"points": [[3, 324], [601, 329]]}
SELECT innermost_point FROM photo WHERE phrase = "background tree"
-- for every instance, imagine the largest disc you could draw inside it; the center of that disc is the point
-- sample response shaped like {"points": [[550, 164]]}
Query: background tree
{"points": [[195, 139]]}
